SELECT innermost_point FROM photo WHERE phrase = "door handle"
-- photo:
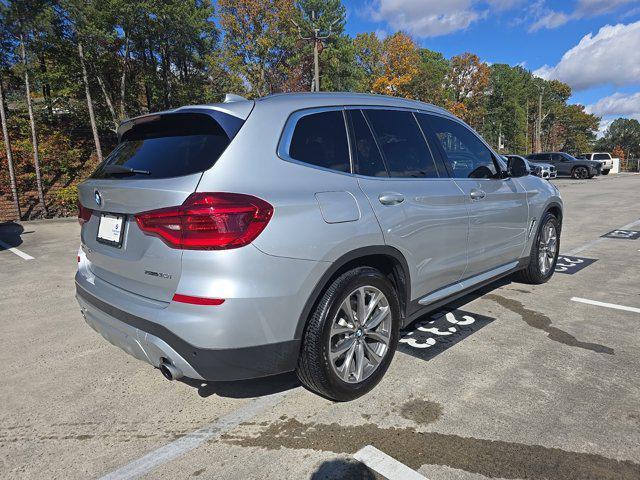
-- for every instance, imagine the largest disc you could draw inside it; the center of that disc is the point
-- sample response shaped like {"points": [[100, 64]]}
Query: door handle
{"points": [[391, 198], [477, 194]]}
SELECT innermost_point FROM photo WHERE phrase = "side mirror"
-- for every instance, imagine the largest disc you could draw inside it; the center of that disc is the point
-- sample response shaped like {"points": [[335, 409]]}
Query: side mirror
{"points": [[518, 167]]}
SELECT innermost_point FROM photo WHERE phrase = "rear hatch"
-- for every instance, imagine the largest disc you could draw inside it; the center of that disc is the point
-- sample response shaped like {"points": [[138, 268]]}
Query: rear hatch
{"points": [[157, 163]]}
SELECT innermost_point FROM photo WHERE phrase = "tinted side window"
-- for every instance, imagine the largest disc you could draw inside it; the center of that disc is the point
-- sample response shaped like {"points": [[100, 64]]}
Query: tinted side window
{"points": [[404, 148], [465, 154], [321, 139], [365, 151], [556, 157]]}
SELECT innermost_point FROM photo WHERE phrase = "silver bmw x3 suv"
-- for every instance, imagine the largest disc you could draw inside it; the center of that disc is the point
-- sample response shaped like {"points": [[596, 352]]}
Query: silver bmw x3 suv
{"points": [[299, 232]]}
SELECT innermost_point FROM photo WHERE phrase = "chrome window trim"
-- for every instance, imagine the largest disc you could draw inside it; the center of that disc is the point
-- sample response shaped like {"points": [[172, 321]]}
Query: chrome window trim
{"points": [[287, 133]]}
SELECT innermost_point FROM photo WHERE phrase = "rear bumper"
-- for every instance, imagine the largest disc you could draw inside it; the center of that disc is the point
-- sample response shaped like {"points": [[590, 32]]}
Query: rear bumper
{"points": [[153, 343]]}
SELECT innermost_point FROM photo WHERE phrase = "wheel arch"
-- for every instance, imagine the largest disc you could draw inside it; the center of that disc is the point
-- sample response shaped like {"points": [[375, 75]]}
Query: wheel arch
{"points": [[556, 209], [390, 261]]}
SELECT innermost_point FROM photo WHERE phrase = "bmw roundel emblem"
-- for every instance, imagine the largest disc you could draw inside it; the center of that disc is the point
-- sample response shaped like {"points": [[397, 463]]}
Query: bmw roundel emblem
{"points": [[97, 198]]}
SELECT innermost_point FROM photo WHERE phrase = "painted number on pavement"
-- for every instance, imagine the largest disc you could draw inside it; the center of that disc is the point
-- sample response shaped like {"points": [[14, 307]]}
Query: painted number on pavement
{"points": [[426, 338], [571, 265]]}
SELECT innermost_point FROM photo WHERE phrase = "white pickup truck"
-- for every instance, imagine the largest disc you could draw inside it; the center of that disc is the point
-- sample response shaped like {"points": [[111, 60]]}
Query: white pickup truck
{"points": [[605, 159]]}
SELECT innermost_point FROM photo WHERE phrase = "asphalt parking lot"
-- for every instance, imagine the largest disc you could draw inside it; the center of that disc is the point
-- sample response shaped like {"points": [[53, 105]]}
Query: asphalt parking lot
{"points": [[514, 382]]}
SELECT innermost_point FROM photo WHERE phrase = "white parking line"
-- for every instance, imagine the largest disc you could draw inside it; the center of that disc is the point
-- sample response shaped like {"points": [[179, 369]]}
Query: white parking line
{"points": [[385, 465], [19, 253], [607, 305], [183, 445], [590, 244]]}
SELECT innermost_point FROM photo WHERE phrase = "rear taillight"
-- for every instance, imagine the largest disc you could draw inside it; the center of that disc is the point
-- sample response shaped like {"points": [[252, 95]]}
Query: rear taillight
{"points": [[84, 214], [208, 221]]}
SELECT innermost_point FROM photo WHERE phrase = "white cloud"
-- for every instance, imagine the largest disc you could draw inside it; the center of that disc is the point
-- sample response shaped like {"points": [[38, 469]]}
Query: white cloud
{"points": [[617, 104], [614, 106], [426, 18], [504, 4], [612, 56], [588, 8], [381, 33], [604, 125], [544, 17], [549, 21]]}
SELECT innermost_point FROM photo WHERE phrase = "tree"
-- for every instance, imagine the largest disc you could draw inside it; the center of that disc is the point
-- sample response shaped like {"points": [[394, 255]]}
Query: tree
{"points": [[259, 40], [468, 81], [23, 15], [7, 146], [578, 129], [623, 133], [429, 83], [338, 69], [369, 59], [506, 120], [400, 60], [4, 61]]}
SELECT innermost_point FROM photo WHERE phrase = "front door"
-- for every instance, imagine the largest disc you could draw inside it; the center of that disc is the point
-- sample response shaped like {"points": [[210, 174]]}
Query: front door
{"points": [[563, 164], [420, 209], [498, 210]]}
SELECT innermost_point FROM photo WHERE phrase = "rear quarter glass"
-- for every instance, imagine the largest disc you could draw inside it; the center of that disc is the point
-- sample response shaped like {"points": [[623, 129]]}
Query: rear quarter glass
{"points": [[170, 145]]}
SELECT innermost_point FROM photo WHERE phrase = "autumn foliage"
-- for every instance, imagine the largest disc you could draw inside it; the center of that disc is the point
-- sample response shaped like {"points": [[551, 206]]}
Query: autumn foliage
{"points": [[400, 62], [142, 57]]}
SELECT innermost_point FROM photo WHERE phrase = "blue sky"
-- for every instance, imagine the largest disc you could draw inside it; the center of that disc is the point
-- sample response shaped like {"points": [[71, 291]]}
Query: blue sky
{"points": [[602, 38]]}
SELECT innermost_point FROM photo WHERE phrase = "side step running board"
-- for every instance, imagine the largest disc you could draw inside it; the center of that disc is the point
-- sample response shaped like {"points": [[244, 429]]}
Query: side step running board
{"points": [[465, 284]]}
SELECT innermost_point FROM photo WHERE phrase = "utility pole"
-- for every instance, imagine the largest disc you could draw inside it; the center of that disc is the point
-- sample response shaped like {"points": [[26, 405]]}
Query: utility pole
{"points": [[317, 37]]}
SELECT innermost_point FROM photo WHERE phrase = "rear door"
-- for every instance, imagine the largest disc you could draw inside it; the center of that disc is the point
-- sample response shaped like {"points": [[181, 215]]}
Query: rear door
{"points": [[420, 209], [498, 209], [166, 155]]}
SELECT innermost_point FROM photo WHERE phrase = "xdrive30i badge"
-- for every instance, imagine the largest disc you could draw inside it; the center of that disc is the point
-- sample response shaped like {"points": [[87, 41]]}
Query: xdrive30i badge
{"points": [[158, 274]]}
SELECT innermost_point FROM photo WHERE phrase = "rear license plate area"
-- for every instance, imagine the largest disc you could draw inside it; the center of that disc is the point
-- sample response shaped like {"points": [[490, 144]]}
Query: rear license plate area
{"points": [[111, 229]]}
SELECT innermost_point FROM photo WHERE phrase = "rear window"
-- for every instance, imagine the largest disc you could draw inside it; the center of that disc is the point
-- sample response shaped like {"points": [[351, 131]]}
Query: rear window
{"points": [[320, 139], [170, 146], [601, 156]]}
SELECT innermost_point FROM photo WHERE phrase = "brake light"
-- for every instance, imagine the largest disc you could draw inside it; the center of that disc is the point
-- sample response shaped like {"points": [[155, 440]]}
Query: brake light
{"points": [[208, 221], [84, 214]]}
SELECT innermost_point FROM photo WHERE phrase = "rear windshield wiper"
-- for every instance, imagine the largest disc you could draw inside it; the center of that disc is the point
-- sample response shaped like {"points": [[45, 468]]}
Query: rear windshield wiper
{"points": [[114, 169]]}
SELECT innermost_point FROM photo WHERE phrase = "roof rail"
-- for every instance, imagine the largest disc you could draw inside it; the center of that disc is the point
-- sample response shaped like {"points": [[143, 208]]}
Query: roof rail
{"points": [[232, 97]]}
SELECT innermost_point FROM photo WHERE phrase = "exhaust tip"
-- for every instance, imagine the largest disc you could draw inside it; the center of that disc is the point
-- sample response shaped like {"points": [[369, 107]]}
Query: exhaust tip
{"points": [[169, 371]]}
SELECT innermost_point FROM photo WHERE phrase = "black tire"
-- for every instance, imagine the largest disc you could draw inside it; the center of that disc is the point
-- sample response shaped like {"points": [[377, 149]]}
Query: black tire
{"points": [[605, 172], [314, 368], [579, 173], [533, 274]]}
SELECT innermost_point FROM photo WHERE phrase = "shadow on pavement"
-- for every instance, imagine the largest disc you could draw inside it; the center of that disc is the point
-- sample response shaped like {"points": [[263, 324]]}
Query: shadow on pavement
{"points": [[288, 381], [10, 235], [245, 388], [343, 469]]}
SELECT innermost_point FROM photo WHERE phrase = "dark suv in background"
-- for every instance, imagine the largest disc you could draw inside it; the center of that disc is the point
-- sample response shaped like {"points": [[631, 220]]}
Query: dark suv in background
{"points": [[568, 165]]}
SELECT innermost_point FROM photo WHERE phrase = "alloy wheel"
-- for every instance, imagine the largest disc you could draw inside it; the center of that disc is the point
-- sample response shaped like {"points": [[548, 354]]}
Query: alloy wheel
{"points": [[547, 248], [581, 173], [360, 334]]}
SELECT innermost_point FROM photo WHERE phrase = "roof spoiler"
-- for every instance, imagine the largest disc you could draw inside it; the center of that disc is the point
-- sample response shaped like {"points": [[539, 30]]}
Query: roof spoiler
{"points": [[232, 97]]}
